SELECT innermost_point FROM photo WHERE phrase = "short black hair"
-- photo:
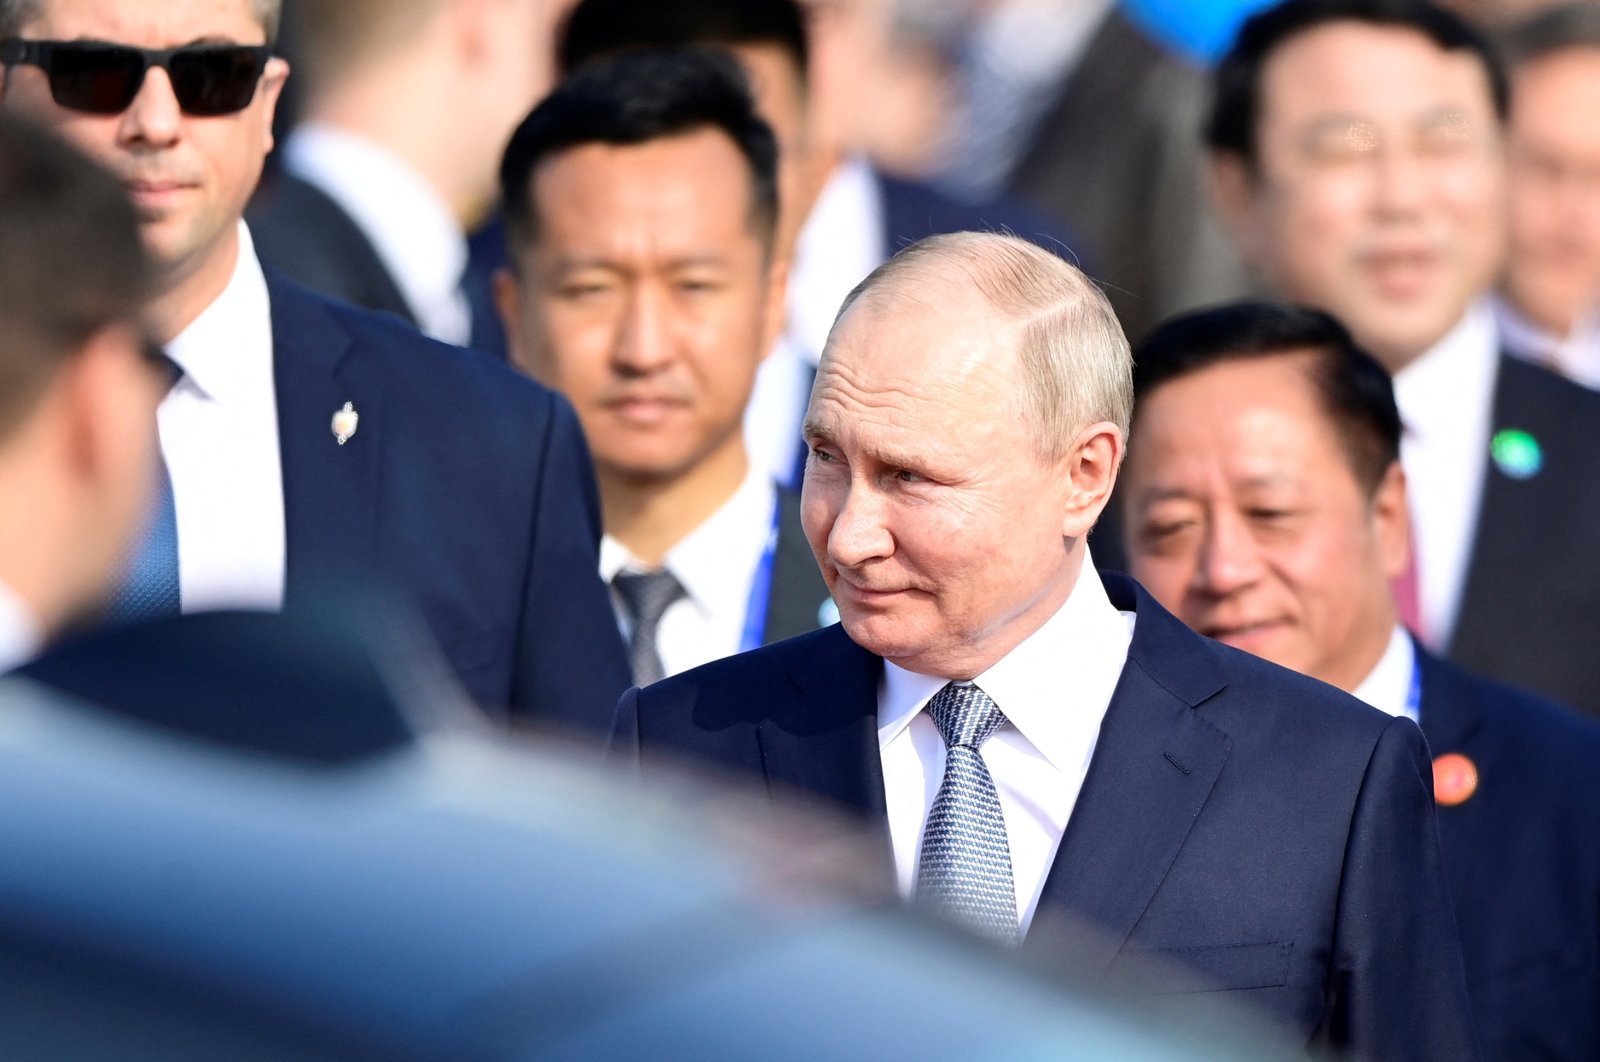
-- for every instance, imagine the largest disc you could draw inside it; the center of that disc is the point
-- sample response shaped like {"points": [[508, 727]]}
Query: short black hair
{"points": [[1353, 388], [1236, 82], [72, 260], [633, 98], [1554, 30], [597, 28]]}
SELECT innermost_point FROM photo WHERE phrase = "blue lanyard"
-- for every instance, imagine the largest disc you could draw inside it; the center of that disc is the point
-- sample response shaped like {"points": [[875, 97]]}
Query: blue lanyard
{"points": [[755, 610], [1414, 693]]}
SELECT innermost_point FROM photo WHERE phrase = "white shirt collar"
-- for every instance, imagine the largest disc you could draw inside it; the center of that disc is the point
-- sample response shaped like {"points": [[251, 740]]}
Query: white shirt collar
{"points": [[1388, 687], [20, 633], [1086, 641], [714, 562], [841, 242], [1446, 400], [1459, 369], [410, 226], [223, 353]]}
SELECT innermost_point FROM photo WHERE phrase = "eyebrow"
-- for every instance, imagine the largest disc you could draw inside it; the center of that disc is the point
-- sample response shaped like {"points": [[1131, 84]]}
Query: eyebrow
{"points": [[690, 261]]}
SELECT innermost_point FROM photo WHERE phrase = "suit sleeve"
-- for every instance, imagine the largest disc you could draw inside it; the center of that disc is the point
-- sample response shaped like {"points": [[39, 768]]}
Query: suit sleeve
{"points": [[1398, 982], [571, 666]]}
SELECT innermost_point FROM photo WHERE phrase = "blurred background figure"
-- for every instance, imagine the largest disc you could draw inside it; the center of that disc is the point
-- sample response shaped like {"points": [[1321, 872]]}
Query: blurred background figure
{"points": [[1549, 304], [405, 108], [1074, 107], [1358, 157], [1265, 505], [839, 217], [311, 445], [79, 383], [641, 200]]}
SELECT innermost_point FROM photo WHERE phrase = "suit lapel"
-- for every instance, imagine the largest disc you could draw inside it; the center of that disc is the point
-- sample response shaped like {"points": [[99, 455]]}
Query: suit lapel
{"points": [[1452, 721], [1153, 769], [821, 735], [330, 490]]}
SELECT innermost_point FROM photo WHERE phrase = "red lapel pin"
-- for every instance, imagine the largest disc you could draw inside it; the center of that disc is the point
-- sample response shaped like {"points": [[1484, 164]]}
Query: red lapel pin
{"points": [[1455, 779]]}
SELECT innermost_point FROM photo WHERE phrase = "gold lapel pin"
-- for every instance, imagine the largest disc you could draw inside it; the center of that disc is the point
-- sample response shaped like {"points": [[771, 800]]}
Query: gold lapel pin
{"points": [[345, 422]]}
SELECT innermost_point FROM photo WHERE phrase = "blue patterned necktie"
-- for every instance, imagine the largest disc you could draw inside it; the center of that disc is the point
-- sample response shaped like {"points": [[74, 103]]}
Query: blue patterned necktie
{"points": [[149, 588], [645, 598], [965, 869]]}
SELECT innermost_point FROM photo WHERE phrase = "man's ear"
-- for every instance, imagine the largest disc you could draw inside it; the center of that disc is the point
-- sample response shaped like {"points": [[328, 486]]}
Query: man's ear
{"points": [[1091, 467], [775, 312], [271, 90], [1232, 187], [1391, 522]]}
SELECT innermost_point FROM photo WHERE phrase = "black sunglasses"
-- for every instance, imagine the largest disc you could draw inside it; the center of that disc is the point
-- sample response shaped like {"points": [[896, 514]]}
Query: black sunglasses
{"points": [[207, 79]]}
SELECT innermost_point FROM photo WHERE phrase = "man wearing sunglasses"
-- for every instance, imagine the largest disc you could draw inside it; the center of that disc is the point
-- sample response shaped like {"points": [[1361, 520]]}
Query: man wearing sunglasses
{"points": [[308, 444]]}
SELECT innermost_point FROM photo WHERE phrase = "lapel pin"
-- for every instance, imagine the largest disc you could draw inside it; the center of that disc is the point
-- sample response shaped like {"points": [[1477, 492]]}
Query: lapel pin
{"points": [[1455, 779], [1516, 453], [345, 422]]}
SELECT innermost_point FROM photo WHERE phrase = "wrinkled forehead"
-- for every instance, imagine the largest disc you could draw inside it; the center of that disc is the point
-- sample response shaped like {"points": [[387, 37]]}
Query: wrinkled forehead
{"points": [[923, 334]]}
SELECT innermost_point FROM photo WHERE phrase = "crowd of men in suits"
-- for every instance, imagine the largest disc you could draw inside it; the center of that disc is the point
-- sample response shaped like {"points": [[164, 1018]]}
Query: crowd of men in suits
{"points": [[801, 460]]}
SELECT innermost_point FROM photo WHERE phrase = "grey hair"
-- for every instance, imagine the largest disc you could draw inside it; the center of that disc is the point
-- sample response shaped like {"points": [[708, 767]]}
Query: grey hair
{"points": [[15, 14], [1076, 366]]}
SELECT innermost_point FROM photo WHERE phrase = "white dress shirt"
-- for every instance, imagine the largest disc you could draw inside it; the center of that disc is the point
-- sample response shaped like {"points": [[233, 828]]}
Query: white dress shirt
{"points": [[1388, 687], [840, 243], [1575, 355], [1054, 689], [716, 563], [1446, 400], [219, 437], [417, 238], [20, 635]]}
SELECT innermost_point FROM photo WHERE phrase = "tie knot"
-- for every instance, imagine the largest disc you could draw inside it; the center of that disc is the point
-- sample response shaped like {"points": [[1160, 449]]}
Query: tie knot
{"points": [[647, 595], [965, 715]]}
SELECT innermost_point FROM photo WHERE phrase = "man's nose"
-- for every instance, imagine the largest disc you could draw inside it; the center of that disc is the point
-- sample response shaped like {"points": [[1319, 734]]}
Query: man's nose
{"points": [[643, 342], [154, 116], [1230, 557], [861, 529]]}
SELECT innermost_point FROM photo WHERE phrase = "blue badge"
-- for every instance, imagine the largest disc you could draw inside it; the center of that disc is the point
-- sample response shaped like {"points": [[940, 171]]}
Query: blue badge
{"points": [[1516, 453]]}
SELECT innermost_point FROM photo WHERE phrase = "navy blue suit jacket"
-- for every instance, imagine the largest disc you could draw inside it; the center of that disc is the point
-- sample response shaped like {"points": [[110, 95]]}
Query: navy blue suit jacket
{"points": [[1530, 605], [1266, 831], [1523, 859], [466, 486]]}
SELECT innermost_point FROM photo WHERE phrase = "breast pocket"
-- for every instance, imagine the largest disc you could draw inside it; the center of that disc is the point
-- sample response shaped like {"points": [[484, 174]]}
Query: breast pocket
{"points": [[1206, 968]]}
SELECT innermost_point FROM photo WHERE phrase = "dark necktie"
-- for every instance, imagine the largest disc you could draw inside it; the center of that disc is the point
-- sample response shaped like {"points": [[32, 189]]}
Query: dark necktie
{"points": [[964, 872], [646, 597], [149, 588]]}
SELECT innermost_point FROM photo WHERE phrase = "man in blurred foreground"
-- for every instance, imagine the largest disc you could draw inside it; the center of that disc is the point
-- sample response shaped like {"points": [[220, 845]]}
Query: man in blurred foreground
{"points": [[1031, 742], [79, 385], [1265, 506]]}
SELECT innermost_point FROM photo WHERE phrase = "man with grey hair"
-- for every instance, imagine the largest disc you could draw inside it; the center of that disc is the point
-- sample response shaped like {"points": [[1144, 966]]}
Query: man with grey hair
{"points": [[1033, 741], [307, 444]]}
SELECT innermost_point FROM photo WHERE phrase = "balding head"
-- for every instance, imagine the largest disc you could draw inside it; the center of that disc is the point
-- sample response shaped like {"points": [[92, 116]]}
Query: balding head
{"points": [[1075, 364]]}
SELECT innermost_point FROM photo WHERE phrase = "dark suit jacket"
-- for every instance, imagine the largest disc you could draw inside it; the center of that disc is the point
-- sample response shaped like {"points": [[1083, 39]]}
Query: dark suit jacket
{"points": [[913, 210], [1523, 859], [301, 232], [1530, 608], [1264, 830], [798, 590], [466, 486], [1117, 160]]}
